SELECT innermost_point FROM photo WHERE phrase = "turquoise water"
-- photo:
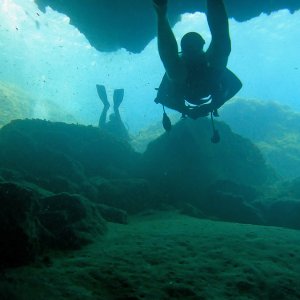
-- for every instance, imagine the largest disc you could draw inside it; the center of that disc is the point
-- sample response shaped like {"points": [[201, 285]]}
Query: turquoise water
{"points": [[83, 215], [52, 61]]}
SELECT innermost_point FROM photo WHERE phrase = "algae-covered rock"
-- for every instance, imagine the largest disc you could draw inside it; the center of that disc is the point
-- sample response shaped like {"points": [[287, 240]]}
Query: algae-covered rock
{"points": [[282, 207], [19, 228], [70, 221], [112, 214], [57, 154], [284, 212], [74, 159], [32, 223], [184, 163], [14, 104], [230, 201], [17, 104], [230, 207], [274, 128], [132, 194]]}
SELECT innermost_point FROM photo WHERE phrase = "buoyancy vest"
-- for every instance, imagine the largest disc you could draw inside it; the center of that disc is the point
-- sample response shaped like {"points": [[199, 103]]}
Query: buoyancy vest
{"points": [[199, 81], [202, 81]]}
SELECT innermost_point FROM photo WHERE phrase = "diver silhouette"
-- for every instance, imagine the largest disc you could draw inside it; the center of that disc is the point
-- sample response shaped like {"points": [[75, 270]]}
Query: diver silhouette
{"points": [[196, 82], [115, 124]]}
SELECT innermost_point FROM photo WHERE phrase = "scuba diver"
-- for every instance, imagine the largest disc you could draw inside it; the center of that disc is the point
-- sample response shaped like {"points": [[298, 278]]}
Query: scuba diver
{"points": [[115, 124], [194, 76]]}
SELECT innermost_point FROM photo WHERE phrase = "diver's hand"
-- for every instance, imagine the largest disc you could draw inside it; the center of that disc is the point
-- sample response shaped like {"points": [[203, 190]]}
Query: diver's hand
{"points": [[160, 7]]}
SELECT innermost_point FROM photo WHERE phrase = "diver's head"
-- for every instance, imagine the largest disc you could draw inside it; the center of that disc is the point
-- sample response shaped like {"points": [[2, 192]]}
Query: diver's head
{"points": [[192, 45]]}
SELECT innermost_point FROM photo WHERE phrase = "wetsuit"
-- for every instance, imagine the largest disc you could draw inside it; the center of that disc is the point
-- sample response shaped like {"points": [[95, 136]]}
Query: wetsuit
{"points": [[207, 76]]}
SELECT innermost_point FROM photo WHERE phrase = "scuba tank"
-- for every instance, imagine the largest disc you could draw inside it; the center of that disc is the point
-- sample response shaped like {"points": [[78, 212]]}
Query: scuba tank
{"points": [[166, 121]]}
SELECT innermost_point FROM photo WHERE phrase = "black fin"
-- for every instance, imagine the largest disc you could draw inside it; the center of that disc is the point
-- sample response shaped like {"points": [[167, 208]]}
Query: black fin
{"points": [[118, 97], [102, 94]]}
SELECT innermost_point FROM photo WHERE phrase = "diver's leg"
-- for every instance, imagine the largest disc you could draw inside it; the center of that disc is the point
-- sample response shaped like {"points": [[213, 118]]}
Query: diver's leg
{"points": [[167, 44], [103, 97], [116, 120], [102, 120], [118, 98], [102, 94]]}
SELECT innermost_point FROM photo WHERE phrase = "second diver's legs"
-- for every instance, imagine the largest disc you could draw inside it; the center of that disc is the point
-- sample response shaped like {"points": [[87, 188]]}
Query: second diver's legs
{"points": [[103, 97], [117, 99], [115, 118], [102, 94], [102, 120]]}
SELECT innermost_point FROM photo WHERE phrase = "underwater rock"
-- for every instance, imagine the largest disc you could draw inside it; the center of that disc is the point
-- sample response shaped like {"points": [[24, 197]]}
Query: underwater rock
{"points": [[227, 201], [88, 170], [75, 159], [15, 103], [290, 188], [183, 164], [248, 193], [284, 213], [59, 155], [10, 175], [280, 204], [19, 227], [70, 221], [230, 207], [112, 214], [274, 128], [31, 224], [108, 25], [132, 195], [192, 211]]}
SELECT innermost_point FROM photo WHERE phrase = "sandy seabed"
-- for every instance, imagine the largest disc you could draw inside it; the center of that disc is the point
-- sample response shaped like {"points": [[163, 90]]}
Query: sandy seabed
{"points": [[169, 256]]}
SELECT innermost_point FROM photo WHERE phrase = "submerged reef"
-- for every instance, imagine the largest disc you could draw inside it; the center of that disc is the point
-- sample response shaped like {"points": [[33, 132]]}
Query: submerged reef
{"points": [[184, 163], [17, 104], [32, 222], [273, 128], [14, 104], [59, 183]]}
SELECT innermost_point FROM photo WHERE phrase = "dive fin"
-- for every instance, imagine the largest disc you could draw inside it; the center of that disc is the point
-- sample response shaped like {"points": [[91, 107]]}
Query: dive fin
{"points": [[102, 94], [118, 97]]}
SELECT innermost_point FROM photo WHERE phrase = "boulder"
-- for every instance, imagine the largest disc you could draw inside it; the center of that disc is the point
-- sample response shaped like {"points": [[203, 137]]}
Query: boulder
{"points": [[19, 227], [183, 164], [70, 221]]}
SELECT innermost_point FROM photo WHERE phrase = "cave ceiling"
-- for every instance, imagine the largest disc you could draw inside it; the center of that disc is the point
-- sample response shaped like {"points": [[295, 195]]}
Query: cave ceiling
{"points": [[113, 24]]}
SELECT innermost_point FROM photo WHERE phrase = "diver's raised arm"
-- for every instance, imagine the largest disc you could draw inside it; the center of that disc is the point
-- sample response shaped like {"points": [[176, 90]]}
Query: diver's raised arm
{"points": [[167, 44], [217, 18], [219, 27]]}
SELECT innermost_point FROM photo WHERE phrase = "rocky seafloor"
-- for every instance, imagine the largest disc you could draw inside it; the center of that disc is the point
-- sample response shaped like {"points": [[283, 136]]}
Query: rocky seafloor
{"points": [[85, 216]]}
